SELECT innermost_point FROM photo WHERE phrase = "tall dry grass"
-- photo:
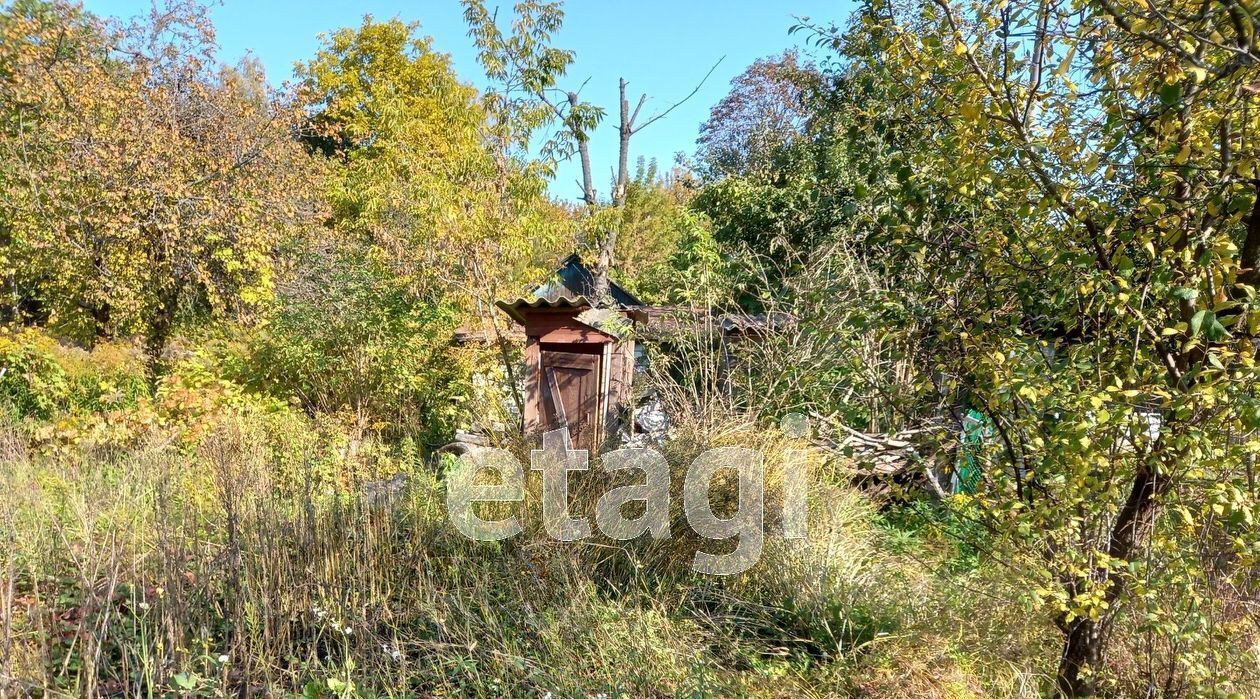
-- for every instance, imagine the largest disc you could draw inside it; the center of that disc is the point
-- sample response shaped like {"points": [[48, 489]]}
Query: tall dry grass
{"points": [[212, 571]]}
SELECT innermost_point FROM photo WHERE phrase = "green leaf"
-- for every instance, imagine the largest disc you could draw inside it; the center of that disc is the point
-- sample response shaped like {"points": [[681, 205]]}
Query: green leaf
{"points": [[1170, 94], [1196, 322], [1216, 330]]}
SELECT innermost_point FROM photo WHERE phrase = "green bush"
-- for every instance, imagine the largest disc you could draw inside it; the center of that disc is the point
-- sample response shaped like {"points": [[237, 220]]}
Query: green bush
{"points": [[43, 377], [34, 383], [348, 337]]}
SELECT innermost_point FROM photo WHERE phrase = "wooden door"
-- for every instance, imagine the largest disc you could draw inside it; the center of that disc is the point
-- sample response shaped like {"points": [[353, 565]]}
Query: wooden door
{"points": [[570, 391]]}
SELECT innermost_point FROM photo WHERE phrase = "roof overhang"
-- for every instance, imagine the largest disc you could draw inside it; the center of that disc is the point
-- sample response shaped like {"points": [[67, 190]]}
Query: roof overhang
{"points": [[516, 309]]}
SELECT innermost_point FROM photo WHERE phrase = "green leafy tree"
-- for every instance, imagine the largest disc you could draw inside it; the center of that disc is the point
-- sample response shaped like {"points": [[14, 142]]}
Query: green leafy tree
{"points": [[1070, 191], [529, 70], [345, 338], [665, 251], [428, 172], [139, 178], [433, 201], [752, 129], [777, 176]]}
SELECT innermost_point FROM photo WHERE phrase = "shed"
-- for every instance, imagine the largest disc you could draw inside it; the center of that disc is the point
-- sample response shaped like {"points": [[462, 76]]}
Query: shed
{"points": [[579, 359]]}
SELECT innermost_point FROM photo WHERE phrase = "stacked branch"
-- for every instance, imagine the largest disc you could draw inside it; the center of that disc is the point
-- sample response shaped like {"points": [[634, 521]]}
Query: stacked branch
{"points": [[905, 453]]}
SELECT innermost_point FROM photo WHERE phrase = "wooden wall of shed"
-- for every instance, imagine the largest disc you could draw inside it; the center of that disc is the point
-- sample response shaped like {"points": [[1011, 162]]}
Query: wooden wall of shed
{"points": [[560, 327], [556, 327], [620, 385], [533, 394]]}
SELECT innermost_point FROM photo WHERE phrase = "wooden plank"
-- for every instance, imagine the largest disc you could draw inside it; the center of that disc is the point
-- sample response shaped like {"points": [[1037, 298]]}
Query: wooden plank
{"points": [[533, 395], [620, 384], [568, 360], [557, 400], [575, 335], [562, 326], [571, 394], [602, 400]]}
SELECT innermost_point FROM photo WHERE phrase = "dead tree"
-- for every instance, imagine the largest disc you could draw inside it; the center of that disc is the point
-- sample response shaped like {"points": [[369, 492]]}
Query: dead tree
{"points": [[578, 123]]}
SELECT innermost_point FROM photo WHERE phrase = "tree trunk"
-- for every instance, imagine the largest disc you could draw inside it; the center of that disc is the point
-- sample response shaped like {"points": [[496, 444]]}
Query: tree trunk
{"points": [[1085, 639], [607, 246], [584, 153], [161, 325], [1082, 654], [623, 149], [604, 263], [102, 327], [1249, 260]]}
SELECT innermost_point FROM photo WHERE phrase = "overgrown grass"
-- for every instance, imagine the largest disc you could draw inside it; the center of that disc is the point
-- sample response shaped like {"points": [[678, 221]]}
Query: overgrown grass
{"points": [[227, 566], [195, 538]]}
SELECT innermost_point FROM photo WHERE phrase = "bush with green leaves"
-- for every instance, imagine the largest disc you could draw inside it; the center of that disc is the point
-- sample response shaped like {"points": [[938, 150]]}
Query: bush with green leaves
{"points": [[348, 336], [43, 377]]}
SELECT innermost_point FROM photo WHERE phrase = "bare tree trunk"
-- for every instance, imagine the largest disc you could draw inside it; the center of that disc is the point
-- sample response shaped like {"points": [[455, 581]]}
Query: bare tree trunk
{"points": [[608, 238], [584, 154], [607, 243], [1082, 654], [603, 263], [623, 148]]}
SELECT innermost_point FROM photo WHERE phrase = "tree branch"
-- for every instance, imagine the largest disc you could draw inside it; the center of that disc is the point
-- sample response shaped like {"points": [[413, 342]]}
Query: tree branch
{"points": [[675, 105]]}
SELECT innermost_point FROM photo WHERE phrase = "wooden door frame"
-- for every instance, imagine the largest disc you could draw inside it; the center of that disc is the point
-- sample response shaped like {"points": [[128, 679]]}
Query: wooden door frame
{"points": [[598, 352]]}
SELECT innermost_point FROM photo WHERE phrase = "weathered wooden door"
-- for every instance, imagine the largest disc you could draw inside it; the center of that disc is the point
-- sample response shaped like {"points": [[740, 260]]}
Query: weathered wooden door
{"points": [[570, 389]]}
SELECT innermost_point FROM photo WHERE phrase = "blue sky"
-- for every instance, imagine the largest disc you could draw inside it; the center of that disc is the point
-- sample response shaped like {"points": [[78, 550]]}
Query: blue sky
{"points": [[661, 47]]}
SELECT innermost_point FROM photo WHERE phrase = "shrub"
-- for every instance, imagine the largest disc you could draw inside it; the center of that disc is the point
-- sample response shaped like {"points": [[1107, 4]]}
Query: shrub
{"points": [[44, 377], [349, 337], [34, 383]]}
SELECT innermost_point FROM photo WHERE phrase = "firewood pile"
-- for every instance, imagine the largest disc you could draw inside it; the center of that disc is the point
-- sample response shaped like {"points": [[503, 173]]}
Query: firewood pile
{"points": [[908, 453]]}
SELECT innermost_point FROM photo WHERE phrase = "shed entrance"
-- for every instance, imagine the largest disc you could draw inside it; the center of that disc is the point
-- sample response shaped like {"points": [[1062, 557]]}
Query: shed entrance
{"points": [[570, 389]]}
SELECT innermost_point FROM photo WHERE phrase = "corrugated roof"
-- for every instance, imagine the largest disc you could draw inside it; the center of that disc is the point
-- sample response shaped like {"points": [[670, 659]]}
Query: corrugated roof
{"points": [[575, 280], [570, 286], [513, 308]]}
